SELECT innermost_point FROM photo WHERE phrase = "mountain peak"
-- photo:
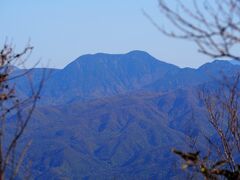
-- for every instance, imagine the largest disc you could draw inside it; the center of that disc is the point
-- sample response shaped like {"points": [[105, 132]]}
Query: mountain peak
{"points": [[135, 56], [216, 63], [138, 52], [103, 54]]}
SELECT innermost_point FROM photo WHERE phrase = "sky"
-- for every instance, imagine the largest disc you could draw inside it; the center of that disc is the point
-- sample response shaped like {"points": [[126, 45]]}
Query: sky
{"points": [[63, 30]]}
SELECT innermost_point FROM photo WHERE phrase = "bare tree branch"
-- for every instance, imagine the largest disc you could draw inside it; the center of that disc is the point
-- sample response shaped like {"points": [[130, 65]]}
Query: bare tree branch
{"points": [[15, 108], [214, 25]]}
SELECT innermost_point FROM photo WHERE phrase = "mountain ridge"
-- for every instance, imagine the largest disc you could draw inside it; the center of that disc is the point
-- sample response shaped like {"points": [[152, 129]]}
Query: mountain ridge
{"points": [[102, 75], [107, 116]]}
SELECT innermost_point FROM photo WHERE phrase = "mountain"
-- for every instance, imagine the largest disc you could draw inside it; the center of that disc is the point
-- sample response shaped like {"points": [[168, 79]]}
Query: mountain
{"points": [[98, 75], [105, 75], [122, 137], [128, 136], [108, 116]]}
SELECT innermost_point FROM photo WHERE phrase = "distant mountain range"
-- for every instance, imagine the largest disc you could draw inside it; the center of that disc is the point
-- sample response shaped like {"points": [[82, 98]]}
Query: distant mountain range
{"points": [[108, 116], [103, 75]]}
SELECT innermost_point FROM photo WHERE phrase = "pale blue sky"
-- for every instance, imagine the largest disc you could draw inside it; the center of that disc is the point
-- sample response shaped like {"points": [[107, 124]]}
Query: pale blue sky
{"points": [[62, 30]]}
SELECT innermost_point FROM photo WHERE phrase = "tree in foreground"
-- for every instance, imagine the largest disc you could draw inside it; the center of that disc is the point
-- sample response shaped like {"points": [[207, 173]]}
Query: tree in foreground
{"points": [[15, 111], [214, 25], [220, 158]]}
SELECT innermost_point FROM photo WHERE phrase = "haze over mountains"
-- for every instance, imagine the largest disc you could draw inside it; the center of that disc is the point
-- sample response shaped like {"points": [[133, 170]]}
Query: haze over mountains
{"points": [[110, 116]]}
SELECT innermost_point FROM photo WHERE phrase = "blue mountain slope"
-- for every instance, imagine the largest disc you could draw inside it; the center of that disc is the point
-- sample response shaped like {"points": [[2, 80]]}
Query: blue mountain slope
{"points": [[105, 75], [93, 76], [106, 116], [124, 136]]}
